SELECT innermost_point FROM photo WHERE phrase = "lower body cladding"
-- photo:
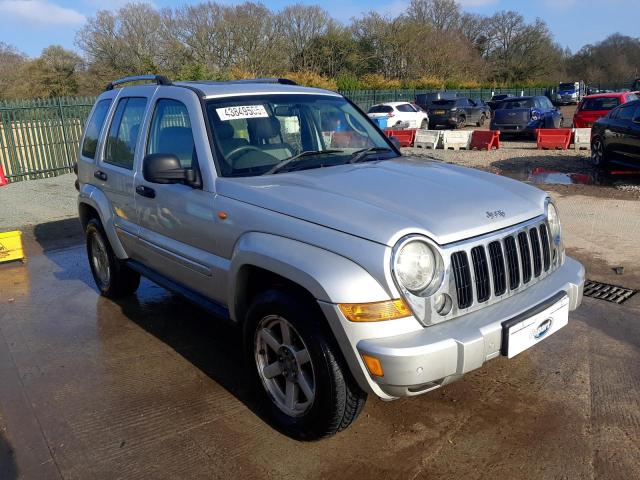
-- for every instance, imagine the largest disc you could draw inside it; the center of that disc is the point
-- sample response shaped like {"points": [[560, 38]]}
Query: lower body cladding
{"points": [[417, 361]]}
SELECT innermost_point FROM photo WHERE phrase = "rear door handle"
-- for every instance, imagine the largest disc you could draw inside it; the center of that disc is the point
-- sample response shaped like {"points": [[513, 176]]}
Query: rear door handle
{"points": [[100, 175], [145, 191]]}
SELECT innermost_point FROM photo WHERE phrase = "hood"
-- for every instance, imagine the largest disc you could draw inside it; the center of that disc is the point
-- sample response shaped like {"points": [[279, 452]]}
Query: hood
{"points": [[386, 200]]}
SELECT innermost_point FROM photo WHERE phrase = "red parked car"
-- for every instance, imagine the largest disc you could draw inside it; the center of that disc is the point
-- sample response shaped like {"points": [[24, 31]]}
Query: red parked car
{"points": [[592, 107]]}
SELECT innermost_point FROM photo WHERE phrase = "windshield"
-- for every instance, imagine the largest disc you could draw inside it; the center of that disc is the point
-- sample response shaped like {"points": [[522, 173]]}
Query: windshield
{"points": [[567, 86], [254, 133], [599, 104], [520, 103]]}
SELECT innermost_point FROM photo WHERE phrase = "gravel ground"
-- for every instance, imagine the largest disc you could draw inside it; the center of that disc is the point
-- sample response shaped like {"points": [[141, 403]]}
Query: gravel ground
{"points": [[27, 204]]}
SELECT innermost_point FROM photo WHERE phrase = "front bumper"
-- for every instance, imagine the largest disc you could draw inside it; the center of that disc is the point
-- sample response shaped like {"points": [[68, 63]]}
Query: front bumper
{"points": [[416, 362]]}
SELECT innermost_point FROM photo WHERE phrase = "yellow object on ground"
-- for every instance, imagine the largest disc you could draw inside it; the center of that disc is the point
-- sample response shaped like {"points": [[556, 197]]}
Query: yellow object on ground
{"points": [[11, 246]]}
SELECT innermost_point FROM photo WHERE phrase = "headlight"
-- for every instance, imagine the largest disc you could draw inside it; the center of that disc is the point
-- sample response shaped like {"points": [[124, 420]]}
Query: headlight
{"points": [[417, 267], [554, 223]]}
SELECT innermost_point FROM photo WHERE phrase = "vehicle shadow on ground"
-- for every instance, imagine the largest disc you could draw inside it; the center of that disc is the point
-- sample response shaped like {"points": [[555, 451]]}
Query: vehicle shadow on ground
{"points": [[8, 467], [57, 234], [212, 345]]}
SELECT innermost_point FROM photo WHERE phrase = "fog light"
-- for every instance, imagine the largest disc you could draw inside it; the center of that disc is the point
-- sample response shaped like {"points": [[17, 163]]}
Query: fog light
{"points": [[443, 304]]}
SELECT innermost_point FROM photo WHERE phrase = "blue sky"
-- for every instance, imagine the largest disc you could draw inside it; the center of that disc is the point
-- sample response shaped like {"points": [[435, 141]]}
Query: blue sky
{"points": [[31, 25]]}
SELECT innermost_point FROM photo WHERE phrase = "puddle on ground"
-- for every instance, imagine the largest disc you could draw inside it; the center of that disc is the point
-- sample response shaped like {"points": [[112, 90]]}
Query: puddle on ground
{"points": [[615, 177]]}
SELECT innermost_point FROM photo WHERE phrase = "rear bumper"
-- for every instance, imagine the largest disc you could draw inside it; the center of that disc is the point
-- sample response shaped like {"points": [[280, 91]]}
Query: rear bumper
{"points": [[512, 128], [416, 362], [442, 120]]}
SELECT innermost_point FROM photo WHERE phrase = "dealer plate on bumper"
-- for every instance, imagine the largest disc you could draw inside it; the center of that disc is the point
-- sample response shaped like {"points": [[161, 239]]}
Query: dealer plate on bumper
{"points": [[529, 328]]}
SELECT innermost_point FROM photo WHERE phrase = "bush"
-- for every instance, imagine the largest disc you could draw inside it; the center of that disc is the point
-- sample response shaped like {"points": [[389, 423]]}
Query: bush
{"points": [[348, 82], [429, 82], [312, 79], [375, 81]]}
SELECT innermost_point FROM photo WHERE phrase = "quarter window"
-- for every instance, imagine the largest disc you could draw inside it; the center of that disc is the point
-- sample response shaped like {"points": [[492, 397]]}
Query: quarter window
{"points": [[94, 127], [123, 133], [171, 132]]}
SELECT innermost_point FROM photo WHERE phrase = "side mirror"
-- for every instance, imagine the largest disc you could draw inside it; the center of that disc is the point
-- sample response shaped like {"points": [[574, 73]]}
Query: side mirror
{"points": [[165, 168], [395, 141]]}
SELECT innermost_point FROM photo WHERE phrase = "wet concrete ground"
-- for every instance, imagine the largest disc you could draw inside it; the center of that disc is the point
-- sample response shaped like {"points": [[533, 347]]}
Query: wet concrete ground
{"points": [[152, 387]]}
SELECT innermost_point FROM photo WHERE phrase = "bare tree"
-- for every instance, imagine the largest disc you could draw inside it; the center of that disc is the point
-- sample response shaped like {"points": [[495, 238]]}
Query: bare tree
{"points": [[297, 26]]}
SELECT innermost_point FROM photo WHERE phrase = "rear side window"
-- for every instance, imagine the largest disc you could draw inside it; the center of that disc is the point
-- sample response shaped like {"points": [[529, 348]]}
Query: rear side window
{"points": [[405, 107], [171, 132], [381, 109], [626, 112], [94, 127], [595, 104], [123, 133]]}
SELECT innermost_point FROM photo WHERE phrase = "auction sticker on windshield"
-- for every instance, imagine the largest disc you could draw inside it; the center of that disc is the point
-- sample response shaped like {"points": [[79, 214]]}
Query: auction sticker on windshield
{"points": [[242, 111]]}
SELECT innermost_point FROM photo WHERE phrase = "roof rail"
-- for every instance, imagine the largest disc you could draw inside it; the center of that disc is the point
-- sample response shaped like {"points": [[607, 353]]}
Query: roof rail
{"points": [[282, 81], [158, 79]]}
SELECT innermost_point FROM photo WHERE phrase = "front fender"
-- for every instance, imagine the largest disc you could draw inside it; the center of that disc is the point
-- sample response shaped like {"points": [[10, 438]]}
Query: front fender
{"points": [[95, 198], [328, 276]]}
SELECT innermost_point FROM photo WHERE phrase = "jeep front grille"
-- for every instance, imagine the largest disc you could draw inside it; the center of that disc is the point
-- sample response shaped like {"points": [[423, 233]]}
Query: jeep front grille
{"points": [[462, 276], [515, 261]]}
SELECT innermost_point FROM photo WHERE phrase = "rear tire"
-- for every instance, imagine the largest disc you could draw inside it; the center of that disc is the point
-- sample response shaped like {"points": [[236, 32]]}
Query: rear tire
{"points": [[599, 156], [481, 121], [307, 389], [113, 277]]}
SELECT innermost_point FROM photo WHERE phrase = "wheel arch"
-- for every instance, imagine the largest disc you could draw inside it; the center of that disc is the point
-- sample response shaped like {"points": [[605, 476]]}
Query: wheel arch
{"points": [[93, 203], [262, 260]]}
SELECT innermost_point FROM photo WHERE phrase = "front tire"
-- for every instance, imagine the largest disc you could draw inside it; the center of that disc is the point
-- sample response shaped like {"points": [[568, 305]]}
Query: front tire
{"points": [[424, 124], [307, 388], [461, 121], [113, 278]]}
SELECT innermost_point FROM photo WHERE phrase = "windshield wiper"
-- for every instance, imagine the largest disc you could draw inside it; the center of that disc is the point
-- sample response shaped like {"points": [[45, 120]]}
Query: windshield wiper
{"points": [[360, 155], [281, 166]]}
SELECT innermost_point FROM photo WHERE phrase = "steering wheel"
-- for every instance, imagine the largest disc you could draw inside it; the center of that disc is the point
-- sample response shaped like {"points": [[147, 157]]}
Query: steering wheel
{"points": [[238, 150]]}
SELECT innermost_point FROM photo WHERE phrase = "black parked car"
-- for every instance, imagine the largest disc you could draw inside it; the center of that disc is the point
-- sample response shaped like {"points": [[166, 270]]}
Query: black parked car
{"points": [[496, 99], [617, 134], [424, 100], [457, 113]]}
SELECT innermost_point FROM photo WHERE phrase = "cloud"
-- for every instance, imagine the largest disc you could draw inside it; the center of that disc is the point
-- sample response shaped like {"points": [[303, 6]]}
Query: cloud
{"points": [[39, 12]]}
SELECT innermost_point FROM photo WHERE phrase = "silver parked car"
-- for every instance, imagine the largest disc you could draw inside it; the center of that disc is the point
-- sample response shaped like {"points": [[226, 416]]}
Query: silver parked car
{"points": [[349, 268]]}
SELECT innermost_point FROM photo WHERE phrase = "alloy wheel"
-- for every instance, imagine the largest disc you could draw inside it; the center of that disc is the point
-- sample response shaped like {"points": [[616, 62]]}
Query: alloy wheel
{"points": [[284, 365], [100, 259]]}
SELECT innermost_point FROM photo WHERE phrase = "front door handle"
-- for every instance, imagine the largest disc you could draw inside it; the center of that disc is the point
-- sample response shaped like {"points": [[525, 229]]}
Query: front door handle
{"points": [[100, 175], [145, 191]]}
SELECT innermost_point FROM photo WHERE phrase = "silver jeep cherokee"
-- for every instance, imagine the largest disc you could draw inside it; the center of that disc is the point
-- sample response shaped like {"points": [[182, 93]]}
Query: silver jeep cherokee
{"points": [[349, 268]]}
